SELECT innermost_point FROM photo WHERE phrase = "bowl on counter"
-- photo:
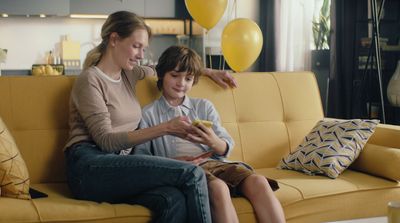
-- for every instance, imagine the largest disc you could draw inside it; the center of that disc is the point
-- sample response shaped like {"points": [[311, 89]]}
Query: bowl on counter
{"points": [[47, 69]]}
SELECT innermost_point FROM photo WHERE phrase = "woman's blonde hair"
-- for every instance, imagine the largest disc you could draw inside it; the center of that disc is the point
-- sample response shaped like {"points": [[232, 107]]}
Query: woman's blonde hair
{"points": [[124, 23]]}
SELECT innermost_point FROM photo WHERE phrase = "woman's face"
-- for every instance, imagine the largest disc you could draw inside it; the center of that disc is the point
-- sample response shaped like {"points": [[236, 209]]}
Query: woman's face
{"points": [[127, 52], [176, 85]]}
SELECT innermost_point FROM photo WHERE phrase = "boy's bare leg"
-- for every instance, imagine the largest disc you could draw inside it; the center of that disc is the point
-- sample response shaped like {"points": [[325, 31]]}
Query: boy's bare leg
{"points": [[222, 209], [267, 207]]}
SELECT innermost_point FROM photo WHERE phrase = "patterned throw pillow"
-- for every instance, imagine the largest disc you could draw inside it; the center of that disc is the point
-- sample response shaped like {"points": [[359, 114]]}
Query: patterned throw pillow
{"points": [[330, 147], [14, 177]]}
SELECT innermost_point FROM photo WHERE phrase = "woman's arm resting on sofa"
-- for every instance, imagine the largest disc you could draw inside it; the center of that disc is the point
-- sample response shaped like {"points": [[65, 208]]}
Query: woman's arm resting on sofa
{"points": [[222, 77]]}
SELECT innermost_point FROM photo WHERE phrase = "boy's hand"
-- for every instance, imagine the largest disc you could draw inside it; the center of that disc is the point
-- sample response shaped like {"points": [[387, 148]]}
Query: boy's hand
{"points": [[207, 136]]}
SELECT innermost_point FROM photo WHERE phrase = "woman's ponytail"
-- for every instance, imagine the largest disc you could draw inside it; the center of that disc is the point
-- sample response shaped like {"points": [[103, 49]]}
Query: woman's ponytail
{"points": [[93, 56]]}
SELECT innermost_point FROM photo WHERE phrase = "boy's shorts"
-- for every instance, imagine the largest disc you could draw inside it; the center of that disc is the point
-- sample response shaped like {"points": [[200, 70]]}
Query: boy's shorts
{"points": [[231, 173]]}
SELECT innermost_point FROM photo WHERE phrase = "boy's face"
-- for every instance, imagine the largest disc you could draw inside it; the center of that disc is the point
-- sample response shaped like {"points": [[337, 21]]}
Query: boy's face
{"points": [[175, 86]]}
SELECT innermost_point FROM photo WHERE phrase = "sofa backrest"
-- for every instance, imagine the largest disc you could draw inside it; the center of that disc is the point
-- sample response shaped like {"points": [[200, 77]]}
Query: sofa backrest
{"points": [[267, 115], [35, 110]]}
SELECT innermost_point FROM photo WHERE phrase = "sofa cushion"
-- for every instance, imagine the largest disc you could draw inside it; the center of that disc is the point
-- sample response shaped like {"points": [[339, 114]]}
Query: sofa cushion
{"points": [[320, 199], [14, 177], [60, 206], [330, 147]]}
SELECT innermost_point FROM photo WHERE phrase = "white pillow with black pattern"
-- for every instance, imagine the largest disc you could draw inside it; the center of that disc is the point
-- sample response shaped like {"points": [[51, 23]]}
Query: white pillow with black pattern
{"points": [[330, 147], [14, 176]]}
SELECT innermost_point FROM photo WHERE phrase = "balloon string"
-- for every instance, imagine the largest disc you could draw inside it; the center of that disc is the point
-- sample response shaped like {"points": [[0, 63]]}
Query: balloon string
{"points": [[233, 11], [209, 53], [210, 59], [235, 4], [220, 62]]}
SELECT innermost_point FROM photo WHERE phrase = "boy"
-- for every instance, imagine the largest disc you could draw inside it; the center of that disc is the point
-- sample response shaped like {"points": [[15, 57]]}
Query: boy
{"points": [[178, 70]]}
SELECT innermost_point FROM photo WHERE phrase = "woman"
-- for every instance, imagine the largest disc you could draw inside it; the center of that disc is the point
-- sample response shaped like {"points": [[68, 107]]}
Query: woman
{"points": [[104, 116]]}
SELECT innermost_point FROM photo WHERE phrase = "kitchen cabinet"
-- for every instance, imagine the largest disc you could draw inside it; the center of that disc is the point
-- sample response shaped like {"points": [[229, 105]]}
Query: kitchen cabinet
{"points": [[23, 7], [159, 8], [106, 6], [146, 8]]}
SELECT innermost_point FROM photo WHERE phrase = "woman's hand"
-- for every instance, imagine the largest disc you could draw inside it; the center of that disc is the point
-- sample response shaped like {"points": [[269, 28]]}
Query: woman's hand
{"points": [[221, 77], [190, 159], [179, 126], [207, 136]]}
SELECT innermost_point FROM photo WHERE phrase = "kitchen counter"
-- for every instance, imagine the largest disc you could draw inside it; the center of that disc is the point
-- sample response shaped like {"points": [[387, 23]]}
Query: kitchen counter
{"points": [[15, 72], [28, 72]]}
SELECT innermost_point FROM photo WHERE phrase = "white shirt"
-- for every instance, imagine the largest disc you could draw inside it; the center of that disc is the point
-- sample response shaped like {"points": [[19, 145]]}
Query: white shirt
{"points": [[160, 111]]}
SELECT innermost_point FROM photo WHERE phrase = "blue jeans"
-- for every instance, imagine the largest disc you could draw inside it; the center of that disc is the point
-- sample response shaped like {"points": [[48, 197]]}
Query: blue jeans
{"points": [[175, 191]]}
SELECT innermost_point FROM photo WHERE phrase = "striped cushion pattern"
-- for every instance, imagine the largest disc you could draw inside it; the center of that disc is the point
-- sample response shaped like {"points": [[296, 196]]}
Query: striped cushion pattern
{"points": [[14, 177], [330, 147]]}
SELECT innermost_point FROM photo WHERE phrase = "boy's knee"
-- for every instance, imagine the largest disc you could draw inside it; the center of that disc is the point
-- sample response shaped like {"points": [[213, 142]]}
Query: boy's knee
{"points": [[255, 184], [256, 179], [218, 187]]}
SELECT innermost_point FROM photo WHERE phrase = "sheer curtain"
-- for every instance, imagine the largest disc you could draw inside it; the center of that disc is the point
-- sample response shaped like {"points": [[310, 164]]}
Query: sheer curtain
{"points": [[293, 33]]}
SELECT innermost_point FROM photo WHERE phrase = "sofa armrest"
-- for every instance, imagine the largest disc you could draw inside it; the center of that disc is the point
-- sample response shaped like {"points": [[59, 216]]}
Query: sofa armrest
{"points": [[381, 155], [386, 135]]}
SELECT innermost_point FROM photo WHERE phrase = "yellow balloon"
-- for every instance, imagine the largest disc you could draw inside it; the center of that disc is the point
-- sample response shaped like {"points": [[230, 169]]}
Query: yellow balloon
{"points": [[241, 43], [206, 13]]}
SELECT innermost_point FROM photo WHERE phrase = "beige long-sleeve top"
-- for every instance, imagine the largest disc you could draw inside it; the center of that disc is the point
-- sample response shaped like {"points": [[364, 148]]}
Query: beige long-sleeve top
{"points": [[103, 110]]}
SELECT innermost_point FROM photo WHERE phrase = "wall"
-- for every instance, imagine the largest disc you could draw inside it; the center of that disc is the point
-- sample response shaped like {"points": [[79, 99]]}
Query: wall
{"points": [[29, 39], [236, 9]]}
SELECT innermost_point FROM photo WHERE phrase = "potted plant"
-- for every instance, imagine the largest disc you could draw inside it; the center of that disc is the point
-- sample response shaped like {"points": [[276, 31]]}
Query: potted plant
{"points": [[3, 57], [321, 27], [321, 33], [320, 57]]}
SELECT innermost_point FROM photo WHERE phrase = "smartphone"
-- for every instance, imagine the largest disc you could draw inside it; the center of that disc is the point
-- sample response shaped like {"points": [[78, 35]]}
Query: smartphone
{"points": [[203, 155], [206, 123]]}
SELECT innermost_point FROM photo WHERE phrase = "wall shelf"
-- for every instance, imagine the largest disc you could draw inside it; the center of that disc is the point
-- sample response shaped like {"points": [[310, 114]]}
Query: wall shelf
{"points": [[365, 92]]}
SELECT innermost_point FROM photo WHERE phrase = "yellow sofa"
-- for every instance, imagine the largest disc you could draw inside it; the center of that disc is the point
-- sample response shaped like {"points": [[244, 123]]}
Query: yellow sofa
{"points": [[268, 116]]}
